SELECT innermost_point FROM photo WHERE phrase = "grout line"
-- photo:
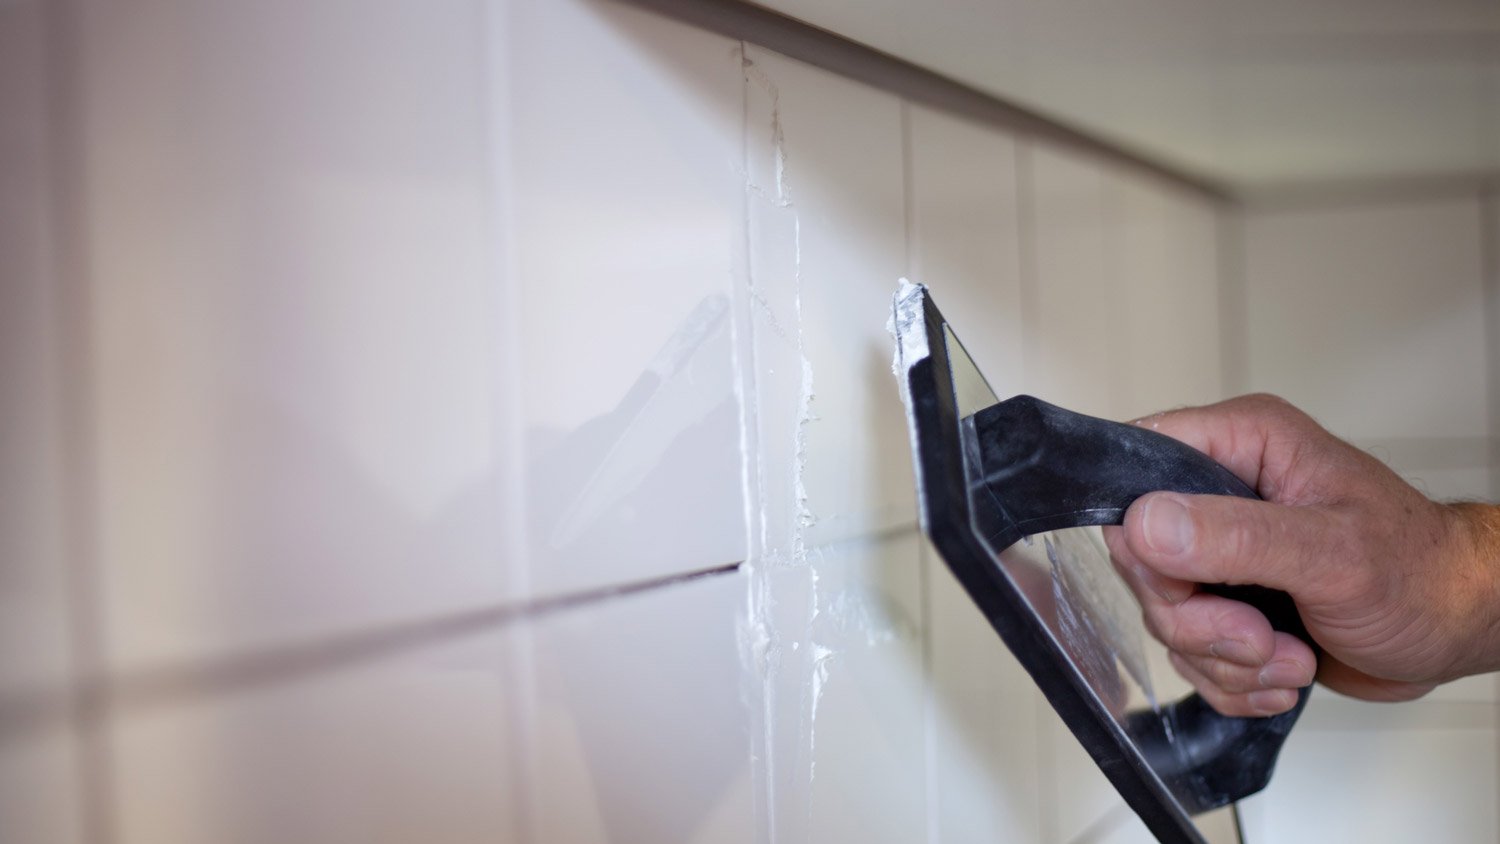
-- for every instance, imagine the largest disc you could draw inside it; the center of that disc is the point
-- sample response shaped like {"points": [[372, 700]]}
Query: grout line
{"points": [[1027, 260], [154, 688], [516, 658], [762, 701], [908, 197], [930, 814], [1234, 325], [86, 706], [830, 51]]}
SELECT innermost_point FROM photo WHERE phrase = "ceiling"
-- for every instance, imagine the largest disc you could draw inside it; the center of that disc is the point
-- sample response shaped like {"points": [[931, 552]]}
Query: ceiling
{"points": [[1257, 95]]}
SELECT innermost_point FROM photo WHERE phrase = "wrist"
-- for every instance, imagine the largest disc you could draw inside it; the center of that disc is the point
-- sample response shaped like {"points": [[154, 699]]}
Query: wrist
{"points": [[1474, 586]]}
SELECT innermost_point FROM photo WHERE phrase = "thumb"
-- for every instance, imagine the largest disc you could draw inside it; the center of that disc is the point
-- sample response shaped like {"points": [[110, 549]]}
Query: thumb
{"points": [[1222, 539]]}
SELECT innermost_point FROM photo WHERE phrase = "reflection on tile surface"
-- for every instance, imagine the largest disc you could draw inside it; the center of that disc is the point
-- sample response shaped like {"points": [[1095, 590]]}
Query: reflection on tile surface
{"points": [[624, 241], [640, 723]]}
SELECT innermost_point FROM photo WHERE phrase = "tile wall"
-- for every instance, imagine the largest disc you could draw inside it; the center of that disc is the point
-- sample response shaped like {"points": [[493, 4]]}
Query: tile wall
{"points": [[475, 422], [1375, 315]]}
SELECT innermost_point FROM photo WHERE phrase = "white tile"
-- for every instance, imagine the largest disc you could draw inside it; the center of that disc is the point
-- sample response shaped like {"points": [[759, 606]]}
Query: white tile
{"points": [[984, 722], [292, 330], [981, 703], [1470, 484], [641, 718], [827, 209], [1380, 785], [851, 688], [965, 236], [1074, 350], [1370, 317], [1480, 688], [383, 738], [1076, 795], [626, 220], [1166, 267]]}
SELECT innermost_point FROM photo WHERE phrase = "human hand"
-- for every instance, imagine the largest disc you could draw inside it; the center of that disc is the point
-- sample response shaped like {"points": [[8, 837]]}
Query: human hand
{"points": [[1401, 592]]}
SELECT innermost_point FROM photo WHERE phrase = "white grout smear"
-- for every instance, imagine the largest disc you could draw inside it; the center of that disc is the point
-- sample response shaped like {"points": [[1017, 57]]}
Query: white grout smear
{"points": [[908, 325]]}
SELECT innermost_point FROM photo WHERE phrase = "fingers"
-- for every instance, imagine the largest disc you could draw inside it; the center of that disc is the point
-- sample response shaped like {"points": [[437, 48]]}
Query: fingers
{"points": [[1226, 648], [1259, 703], [1248, 435], [1222, 539]]}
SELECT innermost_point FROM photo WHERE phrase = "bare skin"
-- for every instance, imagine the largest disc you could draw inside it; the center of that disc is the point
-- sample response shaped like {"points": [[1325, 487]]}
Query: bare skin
{"points": [[1401, 593]]}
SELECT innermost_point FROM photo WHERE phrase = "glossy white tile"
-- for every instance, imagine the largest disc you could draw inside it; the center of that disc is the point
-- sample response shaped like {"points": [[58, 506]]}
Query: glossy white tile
{"points": [[1467, 484], [624, 162], [1481, 688], [826, 152], [640, 718], [1431, 784], [292, 293], [386, 736], [965, 244], [1076, 797], [1166, 266], [1371, 317], [965, 235], [1073, 334], [847, 690], [983, 722]]}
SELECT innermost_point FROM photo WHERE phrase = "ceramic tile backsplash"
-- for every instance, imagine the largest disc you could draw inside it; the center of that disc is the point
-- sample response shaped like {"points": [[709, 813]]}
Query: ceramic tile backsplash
{"points": [[1166, 266], [965, 244], [291, 293], [1073, 354], [626, 221], [380, 738], [964, 224], [1435, 783], [320, 466], [640, 718], [983, 723], [1371, 317], [846, 694]]}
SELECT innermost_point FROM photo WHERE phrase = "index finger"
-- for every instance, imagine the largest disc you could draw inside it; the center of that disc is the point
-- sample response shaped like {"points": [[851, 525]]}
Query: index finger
{"points": [[1253, 436]]}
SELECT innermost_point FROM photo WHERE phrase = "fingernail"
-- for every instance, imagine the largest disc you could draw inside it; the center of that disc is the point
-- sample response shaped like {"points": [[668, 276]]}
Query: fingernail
{"points": [[1285, 674], [1168, 525], [1272, 701], [1235, 651]]}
